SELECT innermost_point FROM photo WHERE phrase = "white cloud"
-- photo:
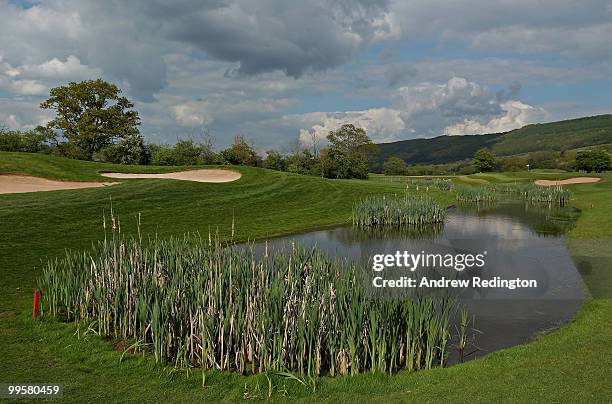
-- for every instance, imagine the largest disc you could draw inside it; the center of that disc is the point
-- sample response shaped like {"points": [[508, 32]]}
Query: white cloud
{"points": [[71, 69], [191, 114], [517, 115], [456, 107], [22, 114], [382, 124], [231, 64], [28, 87]]}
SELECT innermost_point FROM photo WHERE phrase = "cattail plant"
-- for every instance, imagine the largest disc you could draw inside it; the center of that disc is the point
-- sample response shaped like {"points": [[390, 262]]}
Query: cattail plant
{"points": [[532, 193], [442, 184], [385, 210], [477, 194], [191, 303]]}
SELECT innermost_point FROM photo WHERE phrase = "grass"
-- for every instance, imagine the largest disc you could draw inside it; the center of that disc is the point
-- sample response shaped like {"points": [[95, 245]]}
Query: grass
{"points": [[571, 362]]}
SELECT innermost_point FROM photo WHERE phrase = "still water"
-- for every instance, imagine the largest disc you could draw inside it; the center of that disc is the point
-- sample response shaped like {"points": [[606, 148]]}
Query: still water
{"points": [[520, 241]]}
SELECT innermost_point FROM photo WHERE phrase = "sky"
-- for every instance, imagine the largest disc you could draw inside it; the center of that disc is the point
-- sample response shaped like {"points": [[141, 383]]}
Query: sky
{"points": [[282, 72]]}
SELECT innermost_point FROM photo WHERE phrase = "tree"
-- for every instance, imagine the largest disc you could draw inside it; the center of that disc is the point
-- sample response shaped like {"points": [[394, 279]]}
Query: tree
{"points": [[347, 154], [275, 161], [38, 140], [514, 163], [593, 160], [302, 162], [484, 160], [241, 153], [129, 150], [348, 138], [395, 166], [92, 114], [183, 153]]}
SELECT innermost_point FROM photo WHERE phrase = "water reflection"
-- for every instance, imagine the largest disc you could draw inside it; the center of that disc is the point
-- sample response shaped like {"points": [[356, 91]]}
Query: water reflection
{"points": [[521, 241]]}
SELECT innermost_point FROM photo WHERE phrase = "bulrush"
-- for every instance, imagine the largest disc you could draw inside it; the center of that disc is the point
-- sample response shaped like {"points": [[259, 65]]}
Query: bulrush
{"points": [[199, 303]]}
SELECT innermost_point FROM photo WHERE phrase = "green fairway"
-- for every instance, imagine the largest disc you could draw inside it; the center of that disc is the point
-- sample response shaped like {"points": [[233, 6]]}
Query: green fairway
{"points": [[572, 363]]}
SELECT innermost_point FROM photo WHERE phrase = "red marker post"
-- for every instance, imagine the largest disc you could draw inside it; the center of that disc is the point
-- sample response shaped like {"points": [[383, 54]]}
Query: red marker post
{"points": [[36, 303]]}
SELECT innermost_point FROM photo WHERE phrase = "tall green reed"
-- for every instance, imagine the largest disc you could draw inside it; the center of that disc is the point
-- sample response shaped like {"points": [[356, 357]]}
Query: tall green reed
{"points": [[386, 210], [195, 302]]}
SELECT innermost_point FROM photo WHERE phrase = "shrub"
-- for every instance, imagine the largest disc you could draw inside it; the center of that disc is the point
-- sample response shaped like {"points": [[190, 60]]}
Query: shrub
{"points": [[275, 161], [395, 166], [130, 150], [39, 140], [183, 153], [593, 160]]}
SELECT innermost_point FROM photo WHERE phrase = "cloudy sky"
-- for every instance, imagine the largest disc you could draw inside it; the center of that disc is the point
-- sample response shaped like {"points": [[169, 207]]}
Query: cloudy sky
{"points": [[278, 70]]}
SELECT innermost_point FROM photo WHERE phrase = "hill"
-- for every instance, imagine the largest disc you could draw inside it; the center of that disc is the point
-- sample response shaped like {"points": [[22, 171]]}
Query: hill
{"points": [[557, 136]]}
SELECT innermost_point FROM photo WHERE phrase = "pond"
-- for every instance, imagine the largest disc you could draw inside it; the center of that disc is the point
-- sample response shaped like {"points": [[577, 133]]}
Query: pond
{"points": [[519, 240]]}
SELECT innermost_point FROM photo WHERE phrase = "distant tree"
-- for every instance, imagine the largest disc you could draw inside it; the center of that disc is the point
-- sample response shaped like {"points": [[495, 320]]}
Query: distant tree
{"points": [[348, 138], [336, 163], [484, 160], [275, 161], [38, 140], [514, 163], [183, 153], [597, 160], [241, 153], [348, 153], [92, 115], [302, 162], [543, 159], [395, 166], [162, 155], [129, 150]]}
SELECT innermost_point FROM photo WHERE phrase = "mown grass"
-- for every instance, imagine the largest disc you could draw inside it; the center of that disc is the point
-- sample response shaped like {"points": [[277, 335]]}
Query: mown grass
{"points": [[570, 364]]}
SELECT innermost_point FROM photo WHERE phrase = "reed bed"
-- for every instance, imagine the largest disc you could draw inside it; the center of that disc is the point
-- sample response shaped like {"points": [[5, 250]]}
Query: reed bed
{"points": [[403, 210], [556, 195], [441, 184], [197, 303], [477, 194]]}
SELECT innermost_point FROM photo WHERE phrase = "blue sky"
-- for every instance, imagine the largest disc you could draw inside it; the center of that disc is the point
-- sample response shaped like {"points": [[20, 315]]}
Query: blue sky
{"points": [[284, 73]]}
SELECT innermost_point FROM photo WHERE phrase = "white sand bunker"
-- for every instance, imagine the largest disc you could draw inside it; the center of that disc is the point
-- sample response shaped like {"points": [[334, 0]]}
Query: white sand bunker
{"points": [[569, 181], [206, 175], [14, 184]]}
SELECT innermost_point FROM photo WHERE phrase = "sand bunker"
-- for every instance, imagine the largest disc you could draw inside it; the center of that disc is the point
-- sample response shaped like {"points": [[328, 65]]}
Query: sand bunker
{"points": [[207, 175], [569, 181], [14, 184]]}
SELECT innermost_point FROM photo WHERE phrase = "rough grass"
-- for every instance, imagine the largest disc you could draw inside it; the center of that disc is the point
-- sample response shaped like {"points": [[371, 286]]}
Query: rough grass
{"points": [[570, 364]]}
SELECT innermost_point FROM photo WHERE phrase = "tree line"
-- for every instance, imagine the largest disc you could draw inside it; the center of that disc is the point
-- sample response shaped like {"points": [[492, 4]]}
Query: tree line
{"points": [[93, 121], [484, 160]]}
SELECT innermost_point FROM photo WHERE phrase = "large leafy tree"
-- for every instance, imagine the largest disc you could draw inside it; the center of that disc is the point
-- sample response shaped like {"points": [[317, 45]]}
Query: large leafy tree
{"points": [[484, 160], [348, 153], [92, 114]]}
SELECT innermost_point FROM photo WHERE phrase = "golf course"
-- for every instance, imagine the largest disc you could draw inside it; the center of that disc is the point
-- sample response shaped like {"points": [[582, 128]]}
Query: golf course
{"points": [[239, 204]]}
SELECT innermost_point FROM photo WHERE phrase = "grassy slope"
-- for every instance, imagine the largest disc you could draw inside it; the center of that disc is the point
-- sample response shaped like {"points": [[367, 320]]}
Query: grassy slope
{"points": [[572, 362]]}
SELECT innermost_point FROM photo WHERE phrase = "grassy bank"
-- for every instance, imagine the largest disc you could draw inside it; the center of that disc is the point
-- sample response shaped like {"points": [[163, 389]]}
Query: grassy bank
{"points": [[571, 362]]}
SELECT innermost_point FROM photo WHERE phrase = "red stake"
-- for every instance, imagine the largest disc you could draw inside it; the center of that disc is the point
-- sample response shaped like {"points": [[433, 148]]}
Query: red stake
{"points": [[36, 300]]}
